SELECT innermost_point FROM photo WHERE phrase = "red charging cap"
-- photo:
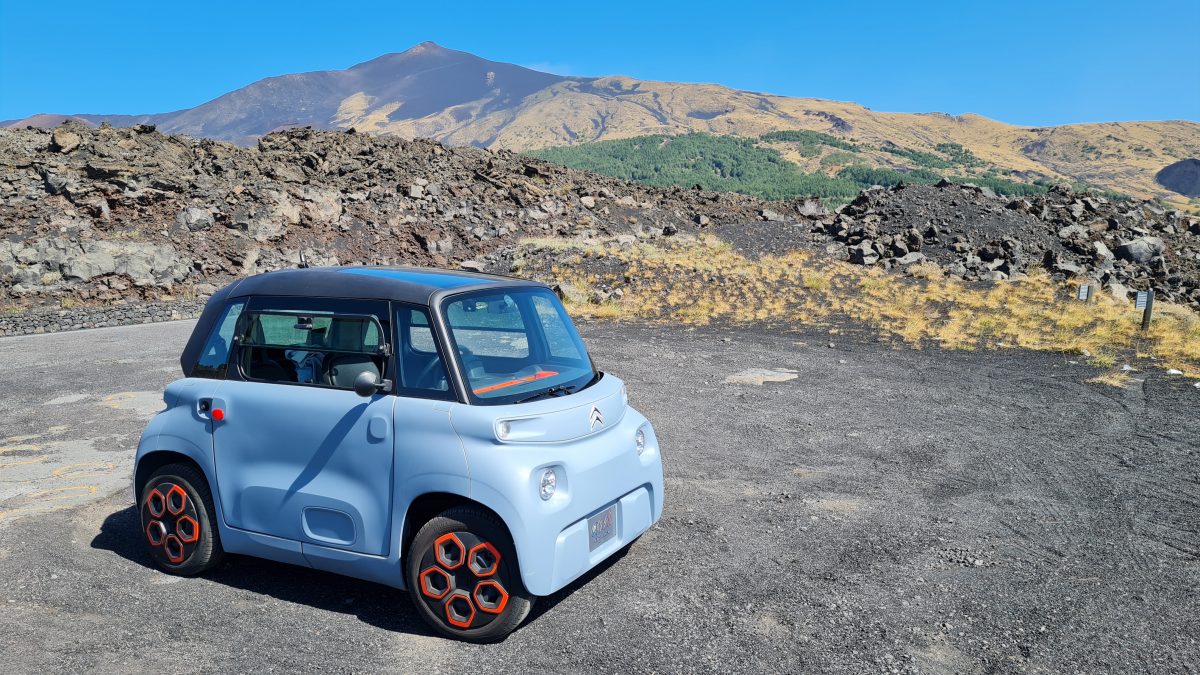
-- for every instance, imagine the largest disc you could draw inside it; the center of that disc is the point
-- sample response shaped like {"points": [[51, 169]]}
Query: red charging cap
{"points": [[218, 414]]}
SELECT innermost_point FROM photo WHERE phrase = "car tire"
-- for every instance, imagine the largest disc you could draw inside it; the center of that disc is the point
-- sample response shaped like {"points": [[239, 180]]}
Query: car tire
{"points": [[463, 576], [179, 521]]}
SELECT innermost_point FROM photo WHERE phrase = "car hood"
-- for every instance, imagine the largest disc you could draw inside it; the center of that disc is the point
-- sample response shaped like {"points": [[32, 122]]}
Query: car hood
{"points": [[590, 411]]}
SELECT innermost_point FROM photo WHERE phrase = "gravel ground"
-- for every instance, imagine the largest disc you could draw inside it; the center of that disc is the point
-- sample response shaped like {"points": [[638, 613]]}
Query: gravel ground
{"points": [[882, 511]]}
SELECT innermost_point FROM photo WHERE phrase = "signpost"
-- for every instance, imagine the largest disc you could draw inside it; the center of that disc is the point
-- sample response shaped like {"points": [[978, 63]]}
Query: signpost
{"points": [[1145, 302]]}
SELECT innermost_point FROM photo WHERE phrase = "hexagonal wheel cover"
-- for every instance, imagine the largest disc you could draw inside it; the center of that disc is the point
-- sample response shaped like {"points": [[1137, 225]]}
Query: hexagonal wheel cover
{"points": [[460, 611], [490, 597], [449, 551], [156, 503], [483, 559], [435, 583], [173, 548], [188, 529], [177, 500], [171, 523], [156, 532]]}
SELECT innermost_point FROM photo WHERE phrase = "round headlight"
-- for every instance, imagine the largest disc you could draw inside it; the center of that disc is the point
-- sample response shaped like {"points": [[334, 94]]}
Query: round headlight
{"points": [[640, 441], [502, 429], [549, 483]]}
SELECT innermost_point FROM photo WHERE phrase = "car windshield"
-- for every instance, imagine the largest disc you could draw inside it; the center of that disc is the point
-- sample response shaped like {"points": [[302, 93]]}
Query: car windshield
{"points": [[516, 345]]}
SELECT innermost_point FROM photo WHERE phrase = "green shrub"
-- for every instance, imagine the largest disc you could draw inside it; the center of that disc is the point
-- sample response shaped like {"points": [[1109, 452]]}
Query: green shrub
{"points": [[730, 164], [719, 163], [839, 159], [958, 154], [924, 159], [866, 176], [811, 138]]}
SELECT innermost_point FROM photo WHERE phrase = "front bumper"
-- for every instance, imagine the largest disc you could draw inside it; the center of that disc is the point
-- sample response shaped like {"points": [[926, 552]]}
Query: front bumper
{"points": [[572, 551], [551, 536]]}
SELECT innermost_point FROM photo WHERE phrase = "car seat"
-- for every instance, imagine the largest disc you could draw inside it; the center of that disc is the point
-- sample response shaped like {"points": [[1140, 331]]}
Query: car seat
{"points": [[255, 361], [347, 360]]}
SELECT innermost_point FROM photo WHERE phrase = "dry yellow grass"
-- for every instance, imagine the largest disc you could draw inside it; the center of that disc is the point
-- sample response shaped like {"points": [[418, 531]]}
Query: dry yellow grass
{"points": [[696, 281], [1117, 379]]}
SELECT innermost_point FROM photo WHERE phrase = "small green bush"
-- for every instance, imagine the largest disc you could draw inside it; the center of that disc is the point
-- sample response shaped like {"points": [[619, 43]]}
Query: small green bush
{"points": [[813, 138], [719, 163], [839, 159]]}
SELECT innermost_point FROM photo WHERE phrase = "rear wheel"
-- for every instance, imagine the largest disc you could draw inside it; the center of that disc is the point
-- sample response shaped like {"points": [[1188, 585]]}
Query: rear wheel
{"points": [[463, 576], [179, 522]]}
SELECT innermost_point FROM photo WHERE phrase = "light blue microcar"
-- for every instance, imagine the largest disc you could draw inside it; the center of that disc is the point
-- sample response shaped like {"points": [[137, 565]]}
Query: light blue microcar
{"points": [[443, 432]]}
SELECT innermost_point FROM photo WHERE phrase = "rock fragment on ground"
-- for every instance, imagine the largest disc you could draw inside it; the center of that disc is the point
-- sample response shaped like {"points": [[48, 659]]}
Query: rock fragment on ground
{"points": [[760, 376]]}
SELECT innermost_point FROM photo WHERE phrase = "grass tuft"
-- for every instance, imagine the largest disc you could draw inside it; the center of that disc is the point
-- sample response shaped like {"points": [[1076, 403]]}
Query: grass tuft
{"points": [[1117, 379]]}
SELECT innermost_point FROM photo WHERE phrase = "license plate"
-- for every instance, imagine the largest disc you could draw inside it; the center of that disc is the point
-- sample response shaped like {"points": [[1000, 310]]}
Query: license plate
{"points": [[602, 527]]}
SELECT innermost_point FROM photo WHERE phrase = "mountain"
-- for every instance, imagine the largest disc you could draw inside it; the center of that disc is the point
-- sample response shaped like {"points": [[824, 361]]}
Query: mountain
{"points": [[391, 90], [462, 99]]}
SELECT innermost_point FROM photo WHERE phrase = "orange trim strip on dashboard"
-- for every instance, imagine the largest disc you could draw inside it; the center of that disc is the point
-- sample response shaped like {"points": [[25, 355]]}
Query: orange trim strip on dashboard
{"points": [[541, 374]]}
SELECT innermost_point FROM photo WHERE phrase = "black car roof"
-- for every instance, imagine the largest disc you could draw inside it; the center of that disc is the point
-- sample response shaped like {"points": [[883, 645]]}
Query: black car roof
{"points": [[418, 285]]}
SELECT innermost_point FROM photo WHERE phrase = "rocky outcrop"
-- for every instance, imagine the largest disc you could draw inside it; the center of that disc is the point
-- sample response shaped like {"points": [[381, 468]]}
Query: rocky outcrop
{"points": [[975, 235], [111, 214], [107, 215]]}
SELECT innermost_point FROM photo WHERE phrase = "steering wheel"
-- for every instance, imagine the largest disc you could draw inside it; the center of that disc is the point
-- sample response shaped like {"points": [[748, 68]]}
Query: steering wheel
{"points": [[429, 368], [426, 372]]}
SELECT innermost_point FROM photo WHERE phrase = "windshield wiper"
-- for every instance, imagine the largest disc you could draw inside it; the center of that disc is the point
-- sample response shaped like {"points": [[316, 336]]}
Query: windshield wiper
{"points": [[552, 391]]}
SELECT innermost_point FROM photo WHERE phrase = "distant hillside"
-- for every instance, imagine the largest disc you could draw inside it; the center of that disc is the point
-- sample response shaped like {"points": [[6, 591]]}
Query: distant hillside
{"points": [[757, 166], [462, 99]]}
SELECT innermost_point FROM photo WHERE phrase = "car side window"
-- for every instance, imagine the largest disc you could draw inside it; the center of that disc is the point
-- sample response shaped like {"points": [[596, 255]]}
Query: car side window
{"points": [[419, 332], [319, 348], [422, 370], [214, 358]]}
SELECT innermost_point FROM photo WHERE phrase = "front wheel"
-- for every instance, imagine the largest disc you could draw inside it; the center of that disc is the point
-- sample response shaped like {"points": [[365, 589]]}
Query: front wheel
{"points": [[179, 523], [463, 576]]}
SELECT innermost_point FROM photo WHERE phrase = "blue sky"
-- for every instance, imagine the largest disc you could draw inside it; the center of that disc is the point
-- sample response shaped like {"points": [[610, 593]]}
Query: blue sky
{"points": [[1034, 63]]}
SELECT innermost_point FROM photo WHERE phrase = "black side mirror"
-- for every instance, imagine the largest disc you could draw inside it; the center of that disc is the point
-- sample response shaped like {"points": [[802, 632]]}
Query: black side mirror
{"points": [[365, 384]]}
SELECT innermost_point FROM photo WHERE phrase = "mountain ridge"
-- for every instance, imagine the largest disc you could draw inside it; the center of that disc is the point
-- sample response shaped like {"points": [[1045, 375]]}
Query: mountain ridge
{"points": [[462, 99]]}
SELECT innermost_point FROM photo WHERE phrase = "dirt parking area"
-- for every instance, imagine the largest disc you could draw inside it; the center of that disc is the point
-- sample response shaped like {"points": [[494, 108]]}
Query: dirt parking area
{"points": [[855, 508]]}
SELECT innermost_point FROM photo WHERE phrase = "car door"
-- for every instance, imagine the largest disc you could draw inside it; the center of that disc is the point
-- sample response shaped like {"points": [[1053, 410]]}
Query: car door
{"points": [[298, 453]]}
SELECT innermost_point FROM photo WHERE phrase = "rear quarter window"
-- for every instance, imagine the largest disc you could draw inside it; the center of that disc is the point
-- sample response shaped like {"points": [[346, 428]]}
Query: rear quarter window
{"points": [[214, 358]]}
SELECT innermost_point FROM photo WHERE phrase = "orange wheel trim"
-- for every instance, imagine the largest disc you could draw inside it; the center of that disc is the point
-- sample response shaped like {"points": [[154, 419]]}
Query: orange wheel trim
{"points": [[183, 500], [195, 527], [461, 605], [429, 590], [162, 503], [500, 604], [460, 594], [158, 527], [473, 556], [175, 559], [437, 550], [186, 528]]}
